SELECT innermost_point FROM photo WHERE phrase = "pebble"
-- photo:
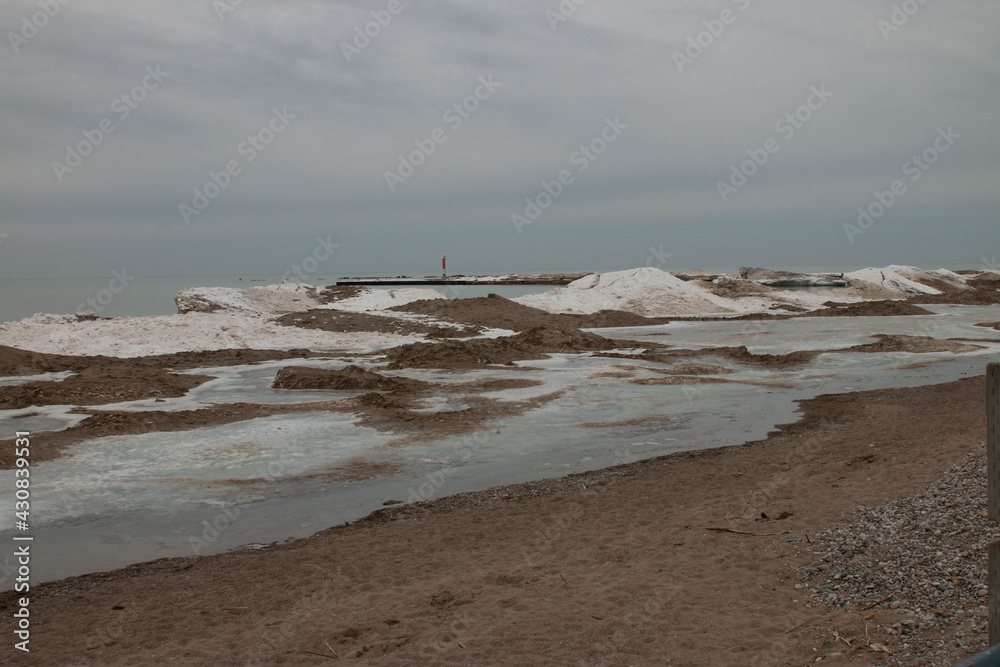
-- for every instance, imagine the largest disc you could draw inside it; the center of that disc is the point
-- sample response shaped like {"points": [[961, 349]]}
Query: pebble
{"points": [[928, 554]]}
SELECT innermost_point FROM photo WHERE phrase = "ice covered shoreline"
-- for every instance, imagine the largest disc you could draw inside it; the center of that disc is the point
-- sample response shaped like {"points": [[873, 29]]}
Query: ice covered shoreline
{"points": [[215, 318]]}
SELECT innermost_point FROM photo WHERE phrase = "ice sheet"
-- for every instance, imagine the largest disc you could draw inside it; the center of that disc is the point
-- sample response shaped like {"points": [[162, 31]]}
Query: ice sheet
{"points": [[159, 486]]}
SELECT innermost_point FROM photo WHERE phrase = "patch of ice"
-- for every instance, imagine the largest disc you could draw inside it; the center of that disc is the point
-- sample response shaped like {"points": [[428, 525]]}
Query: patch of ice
{"points": [[284, 298], [165, 334], [950, 276], [380, 299], [902, 279], [42, 377]]}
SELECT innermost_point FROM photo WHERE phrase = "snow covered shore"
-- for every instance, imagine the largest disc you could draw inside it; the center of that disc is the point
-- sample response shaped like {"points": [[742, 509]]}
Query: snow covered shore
{"points": [[215, 318]]}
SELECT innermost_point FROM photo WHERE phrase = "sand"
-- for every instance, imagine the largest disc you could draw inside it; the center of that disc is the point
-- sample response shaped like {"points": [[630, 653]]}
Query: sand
{"points": [[102, 380], [341, 321], [535, 343], [689, 559], [629, 565], [351, 378], [496, 311], [870, 309]]}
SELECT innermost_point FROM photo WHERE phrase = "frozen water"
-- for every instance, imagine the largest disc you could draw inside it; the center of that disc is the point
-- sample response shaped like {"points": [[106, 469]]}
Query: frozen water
{"points": [[42, 377], [218, 465], [149, 494], [44, 418]]}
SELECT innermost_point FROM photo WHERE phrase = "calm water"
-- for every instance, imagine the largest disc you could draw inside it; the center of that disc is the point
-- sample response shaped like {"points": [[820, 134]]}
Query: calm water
{"points": [[155, 295], [148, 295]]}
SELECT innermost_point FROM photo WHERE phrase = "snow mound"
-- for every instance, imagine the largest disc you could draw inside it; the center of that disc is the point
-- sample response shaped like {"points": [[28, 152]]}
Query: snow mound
{"points": [[166, 334], [950, 276], [381, 299], [654, 293], [284, 298], [645, 291], [910, 279]]}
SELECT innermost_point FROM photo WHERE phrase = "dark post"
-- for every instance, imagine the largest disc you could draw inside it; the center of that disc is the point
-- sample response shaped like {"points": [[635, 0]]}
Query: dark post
{"points": [[993, 440], [993, 491], [993, 581]]}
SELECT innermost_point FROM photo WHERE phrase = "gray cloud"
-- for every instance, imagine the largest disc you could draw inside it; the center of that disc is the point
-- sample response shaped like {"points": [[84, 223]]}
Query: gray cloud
{"points": [[657, 185]]}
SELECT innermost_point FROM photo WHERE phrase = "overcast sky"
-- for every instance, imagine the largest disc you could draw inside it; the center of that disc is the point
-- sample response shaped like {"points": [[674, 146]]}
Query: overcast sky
{"points": [[675, 120]]}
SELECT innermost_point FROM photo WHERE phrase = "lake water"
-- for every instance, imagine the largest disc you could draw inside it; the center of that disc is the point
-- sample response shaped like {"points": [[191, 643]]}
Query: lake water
{"points": [[155, 296]]}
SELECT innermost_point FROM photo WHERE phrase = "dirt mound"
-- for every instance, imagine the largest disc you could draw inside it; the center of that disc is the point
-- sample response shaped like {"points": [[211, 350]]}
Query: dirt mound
{"points": [[23, 362], [990, 325], [383, 401], [15, 362], [100, 387], [496, 311], [607, 319], [346, 321], [102, 380], [534, 343], [333, 293], [352, 378], [916, 344], [742, 355], [984, 290], [735, 288], [869, 309]]}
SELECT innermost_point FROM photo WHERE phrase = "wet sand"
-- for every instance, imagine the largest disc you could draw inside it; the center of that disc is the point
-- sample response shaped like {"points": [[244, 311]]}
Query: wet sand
{"points": [[665, 561], [102, 380]]}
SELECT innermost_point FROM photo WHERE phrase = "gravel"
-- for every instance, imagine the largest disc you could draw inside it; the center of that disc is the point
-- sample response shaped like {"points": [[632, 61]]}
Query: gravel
{"points": [[923, 559]]}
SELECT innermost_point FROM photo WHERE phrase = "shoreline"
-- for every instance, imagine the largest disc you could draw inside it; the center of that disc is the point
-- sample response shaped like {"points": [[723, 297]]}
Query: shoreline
{"points": [[577, 527]]}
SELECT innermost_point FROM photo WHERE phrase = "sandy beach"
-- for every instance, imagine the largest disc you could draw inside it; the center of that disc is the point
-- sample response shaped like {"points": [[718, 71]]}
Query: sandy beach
{"points": [[628, 565], [803, 547]]}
